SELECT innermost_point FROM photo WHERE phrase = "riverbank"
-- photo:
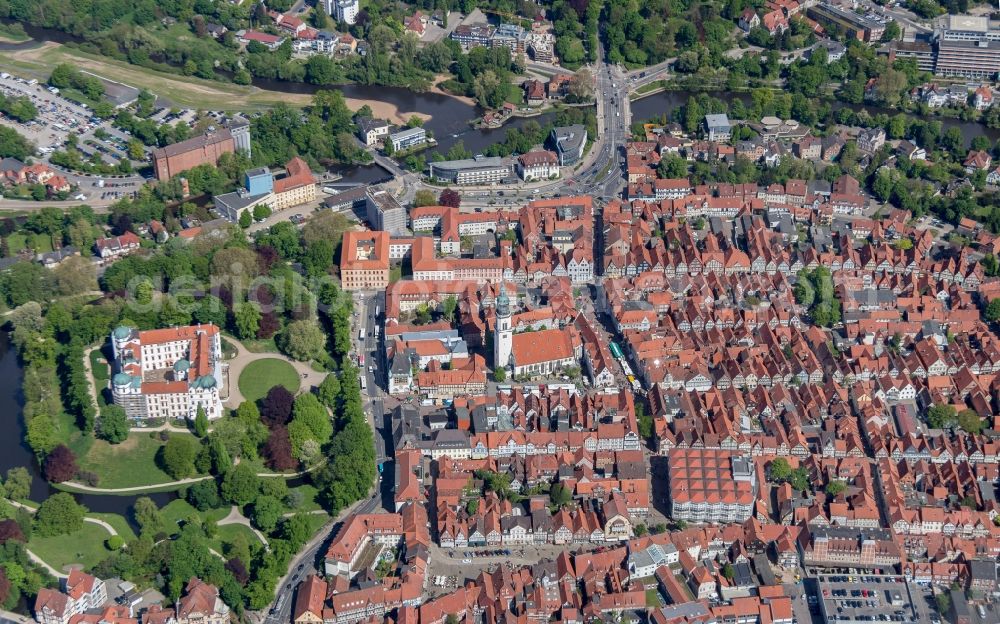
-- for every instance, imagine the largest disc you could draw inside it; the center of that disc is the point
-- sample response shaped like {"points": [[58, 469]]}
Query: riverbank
{"points": [[656, 102], [191, 92]]}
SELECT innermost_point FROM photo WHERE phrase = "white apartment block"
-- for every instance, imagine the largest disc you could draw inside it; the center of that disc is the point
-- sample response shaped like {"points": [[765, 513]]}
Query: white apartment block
{"points": [[342, 10]]}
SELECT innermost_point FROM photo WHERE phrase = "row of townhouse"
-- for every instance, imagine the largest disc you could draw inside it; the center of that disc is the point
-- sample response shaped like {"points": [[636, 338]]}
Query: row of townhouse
{"points": [[608, 522]]}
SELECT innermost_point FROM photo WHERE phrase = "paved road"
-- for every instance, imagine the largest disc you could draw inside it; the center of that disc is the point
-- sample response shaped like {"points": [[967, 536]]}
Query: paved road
{"points": [[907, 19], [369, 310], [640, 77], [235, 516]]}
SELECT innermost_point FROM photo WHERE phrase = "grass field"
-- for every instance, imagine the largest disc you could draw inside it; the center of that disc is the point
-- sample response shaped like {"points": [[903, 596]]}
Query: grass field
{"points": [[226, 534], [121, 525], [652, 598], [316, 521], [184, 91], [39, 242], [308, 498], [260, 346], [129, 464], [262, 375], [181, 91], [85, 546], [102, 372], [177, 511], [99, 366]]}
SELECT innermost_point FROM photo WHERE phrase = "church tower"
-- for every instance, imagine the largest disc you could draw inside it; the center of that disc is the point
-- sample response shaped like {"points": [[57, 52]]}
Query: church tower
{"points": [[503, 335]]}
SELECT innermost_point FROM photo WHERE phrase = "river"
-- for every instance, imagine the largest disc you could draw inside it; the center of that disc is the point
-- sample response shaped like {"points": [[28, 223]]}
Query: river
{"points": [[449, 121], [666, 101]]}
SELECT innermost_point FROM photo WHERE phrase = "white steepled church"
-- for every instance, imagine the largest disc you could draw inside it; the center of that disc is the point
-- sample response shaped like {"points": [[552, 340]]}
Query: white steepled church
{"points": [[503, 335]]}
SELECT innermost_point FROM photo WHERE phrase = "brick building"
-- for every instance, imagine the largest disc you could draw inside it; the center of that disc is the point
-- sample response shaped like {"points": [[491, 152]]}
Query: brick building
{"points": [[204, 149]]}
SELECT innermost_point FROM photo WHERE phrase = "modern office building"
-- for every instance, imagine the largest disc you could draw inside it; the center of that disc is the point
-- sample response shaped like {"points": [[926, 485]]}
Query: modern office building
{"points": [[258, 181], [473, 35], [833, 17], [168, 373], [968, 46], [355, 199], [718, 128], [510, 36], [921, 49], [385, 213], [569, 142], [478, 170], [407, 138], [231, 205], [297, 186]]}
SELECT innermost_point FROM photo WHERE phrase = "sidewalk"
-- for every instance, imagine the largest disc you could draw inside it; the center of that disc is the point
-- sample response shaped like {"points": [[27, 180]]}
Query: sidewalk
{"points": [[244, 357]]}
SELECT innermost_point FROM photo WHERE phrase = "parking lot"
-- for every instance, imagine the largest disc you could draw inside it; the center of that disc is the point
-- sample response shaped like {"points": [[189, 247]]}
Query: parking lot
{"points": [[860, 598], [57, 116]]}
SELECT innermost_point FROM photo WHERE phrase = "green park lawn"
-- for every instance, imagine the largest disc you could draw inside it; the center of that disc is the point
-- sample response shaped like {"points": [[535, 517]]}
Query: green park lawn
{"points": [[227, 534], [129, 464], [179, 510], [316, 522], [260, 376], [264, 345], [101, 372], [39, 242], [121, 525], [85, 546], [309, 493], [100, 367]]}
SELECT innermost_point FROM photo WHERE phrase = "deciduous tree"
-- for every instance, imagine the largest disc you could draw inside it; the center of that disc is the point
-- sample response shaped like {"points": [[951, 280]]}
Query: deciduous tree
{"points": [[267, 512], [276, 407], [203, 495], [247, 317], [18, 483], [424, 197], [60, 465], [147, 515], [278, 450], [780, 470], [940, 416], [113, 425], [178, 455], [970, 421], [240, 485], [58, 515], [201, 423], [10, 530], [303, 340]]}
